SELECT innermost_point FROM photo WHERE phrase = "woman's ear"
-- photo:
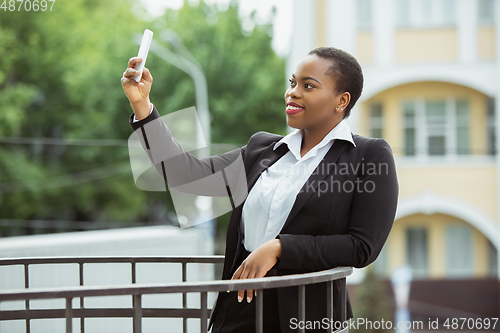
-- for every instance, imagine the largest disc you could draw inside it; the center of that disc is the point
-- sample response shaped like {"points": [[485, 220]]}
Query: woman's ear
{"points": [[344, 100]]}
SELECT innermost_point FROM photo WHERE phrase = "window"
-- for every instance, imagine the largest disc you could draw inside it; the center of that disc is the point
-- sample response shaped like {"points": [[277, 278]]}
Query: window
{"points": [[435, 118], [462, 117], [436, 127], [486, 12], [409, 127], [403, 13], [364, 14], [376, 120], [425, 13], [491, 126], [416, 251], [459, 251], [447, 14]]}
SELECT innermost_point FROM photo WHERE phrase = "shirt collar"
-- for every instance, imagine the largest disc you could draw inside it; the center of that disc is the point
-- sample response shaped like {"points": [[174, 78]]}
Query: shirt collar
{"points": [[294, 139]]}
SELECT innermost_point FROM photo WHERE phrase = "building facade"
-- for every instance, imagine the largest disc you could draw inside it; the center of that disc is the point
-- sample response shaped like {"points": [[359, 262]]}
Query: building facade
{"points": [[431, 70]]}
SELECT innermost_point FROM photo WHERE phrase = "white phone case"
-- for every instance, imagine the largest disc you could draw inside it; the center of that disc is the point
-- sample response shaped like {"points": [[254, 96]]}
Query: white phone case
{"points": [[143, 52]]}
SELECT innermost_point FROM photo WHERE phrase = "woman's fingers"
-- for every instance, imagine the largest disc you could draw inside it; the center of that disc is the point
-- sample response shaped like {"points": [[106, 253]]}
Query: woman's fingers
{"points": [[241, 293], [238, 272], [256, 265], [128, 80], [133, 61], [130, 72], [246, 272], [137, 92], [241, 273], [146, 75], [249, 291]]}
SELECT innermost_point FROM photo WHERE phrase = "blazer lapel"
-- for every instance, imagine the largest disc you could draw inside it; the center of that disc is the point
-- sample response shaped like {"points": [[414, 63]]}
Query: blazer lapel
{"points": [[320, 173], [267, 158]]}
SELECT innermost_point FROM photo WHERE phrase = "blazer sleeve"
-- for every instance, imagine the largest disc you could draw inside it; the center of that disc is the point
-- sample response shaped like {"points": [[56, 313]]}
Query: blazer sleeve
{"points": [[181, 170], [370, 221]]}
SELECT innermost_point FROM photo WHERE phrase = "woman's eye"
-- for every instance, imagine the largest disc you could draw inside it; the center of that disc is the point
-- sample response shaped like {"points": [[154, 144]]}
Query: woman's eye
{"points": [[308, 85], [291, 82]]}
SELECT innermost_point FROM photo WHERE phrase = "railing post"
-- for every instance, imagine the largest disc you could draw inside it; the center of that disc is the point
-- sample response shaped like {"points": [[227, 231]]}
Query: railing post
{"points": [[203, 314], [27, 303], [259, 311], [69, 315], [343, 300], [137, 314], [134, 274], [329, 301], [82, 318], [302, 307], [184, 297]]}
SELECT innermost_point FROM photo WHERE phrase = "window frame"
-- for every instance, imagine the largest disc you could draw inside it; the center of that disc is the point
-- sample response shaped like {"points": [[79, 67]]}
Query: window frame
{"points": [[426, 13], [418, 272], [453, 125]]}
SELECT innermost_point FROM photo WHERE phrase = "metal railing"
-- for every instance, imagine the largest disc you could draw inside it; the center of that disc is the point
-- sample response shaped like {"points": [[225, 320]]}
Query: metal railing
{"points": [[137, 312]]}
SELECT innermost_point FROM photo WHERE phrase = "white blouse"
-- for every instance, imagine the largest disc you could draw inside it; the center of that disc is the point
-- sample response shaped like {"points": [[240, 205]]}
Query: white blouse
{"points": [[271, 198]]}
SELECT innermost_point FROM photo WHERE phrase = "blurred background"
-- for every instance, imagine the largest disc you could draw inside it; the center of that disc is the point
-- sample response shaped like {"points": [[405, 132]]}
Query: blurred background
{"points": [[431, 73]]}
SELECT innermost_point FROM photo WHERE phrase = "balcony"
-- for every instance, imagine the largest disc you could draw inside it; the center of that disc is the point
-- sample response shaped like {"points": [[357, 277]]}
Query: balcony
{"points": [[137, 312]]}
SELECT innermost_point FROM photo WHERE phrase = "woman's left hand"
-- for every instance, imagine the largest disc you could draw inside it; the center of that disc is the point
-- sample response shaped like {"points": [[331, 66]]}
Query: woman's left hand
{"points": [[257, 264]]}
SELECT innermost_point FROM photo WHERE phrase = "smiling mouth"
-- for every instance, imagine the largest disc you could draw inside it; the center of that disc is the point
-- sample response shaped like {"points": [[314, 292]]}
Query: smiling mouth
{"points": [[293, 109]]}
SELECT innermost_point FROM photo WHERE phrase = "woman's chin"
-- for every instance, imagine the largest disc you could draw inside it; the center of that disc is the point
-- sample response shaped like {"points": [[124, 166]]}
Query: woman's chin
{"points": [[292, 123]]}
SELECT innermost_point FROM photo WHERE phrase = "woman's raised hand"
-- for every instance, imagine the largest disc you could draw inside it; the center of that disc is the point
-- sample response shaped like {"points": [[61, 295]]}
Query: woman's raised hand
{"points": [[137, 92]]}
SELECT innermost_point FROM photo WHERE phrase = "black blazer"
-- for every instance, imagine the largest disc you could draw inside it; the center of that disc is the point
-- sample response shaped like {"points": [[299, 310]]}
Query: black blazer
{"points": [[341, 217]]}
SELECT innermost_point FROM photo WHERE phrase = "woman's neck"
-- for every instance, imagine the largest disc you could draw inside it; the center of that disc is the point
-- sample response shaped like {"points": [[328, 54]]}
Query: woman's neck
{"points": [[311, 137]]}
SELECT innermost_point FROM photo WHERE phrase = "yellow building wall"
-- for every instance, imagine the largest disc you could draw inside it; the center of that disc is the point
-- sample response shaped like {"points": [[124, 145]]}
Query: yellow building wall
{"points": [[365, 47], [486, 43], [320, 6], [426, 45], [393, 98], [436, 225], [472, 184], [480, 256]]}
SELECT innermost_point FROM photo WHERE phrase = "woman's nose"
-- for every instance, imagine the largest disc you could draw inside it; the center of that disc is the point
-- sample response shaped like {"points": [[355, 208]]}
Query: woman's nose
{"points": [[292, 92]]}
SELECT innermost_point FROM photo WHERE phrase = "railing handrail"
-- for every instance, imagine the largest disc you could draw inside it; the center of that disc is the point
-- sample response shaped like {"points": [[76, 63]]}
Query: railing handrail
{"points": [[164, 288], [200, 259], [138, 290]]}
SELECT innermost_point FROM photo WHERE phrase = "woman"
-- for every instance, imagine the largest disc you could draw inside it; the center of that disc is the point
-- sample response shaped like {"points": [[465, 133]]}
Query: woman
{"points": [[318, 198]]}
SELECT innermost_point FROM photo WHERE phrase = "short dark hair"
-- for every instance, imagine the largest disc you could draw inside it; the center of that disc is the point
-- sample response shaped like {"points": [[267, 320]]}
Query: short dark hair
{"points": [[346, 72]]}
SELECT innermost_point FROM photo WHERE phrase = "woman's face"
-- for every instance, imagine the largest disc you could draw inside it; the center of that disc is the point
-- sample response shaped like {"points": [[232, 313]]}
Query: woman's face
{"points": [[312, 99]]}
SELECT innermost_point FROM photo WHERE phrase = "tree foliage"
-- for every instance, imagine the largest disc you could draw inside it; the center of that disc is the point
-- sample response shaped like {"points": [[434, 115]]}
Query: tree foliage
{"points": [[245, 77], [372, 304], [60, 79]]}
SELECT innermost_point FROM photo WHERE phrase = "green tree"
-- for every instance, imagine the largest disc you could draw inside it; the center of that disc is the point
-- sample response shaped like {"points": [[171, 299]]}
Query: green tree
{"points": [[372, 303], [246, 80], [59, 79]]}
